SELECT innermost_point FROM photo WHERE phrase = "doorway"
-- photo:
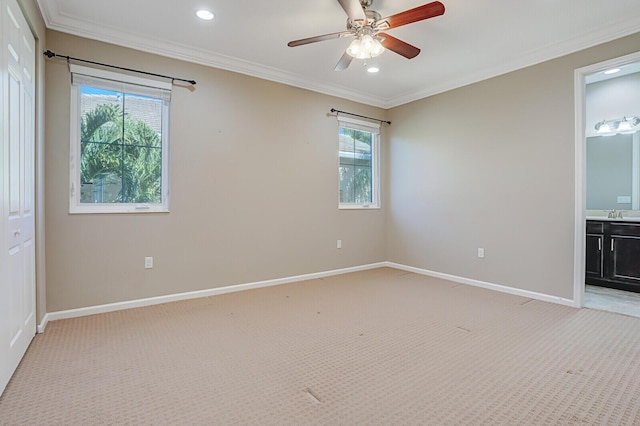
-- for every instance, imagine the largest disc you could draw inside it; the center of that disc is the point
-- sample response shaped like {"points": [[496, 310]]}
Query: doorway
{"points": [[594, 296]]}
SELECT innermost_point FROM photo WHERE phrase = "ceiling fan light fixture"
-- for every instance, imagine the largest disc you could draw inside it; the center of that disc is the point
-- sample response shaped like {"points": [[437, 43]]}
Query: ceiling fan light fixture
{"points": [[365, 47], [369, 30]]}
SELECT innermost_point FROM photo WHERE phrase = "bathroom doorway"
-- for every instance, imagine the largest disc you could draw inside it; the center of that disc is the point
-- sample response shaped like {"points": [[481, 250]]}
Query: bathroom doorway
{"points": [[606, 111]]}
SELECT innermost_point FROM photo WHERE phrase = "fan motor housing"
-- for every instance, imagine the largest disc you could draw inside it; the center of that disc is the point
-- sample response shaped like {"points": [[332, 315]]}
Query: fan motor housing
{"points": [[372, 17]]}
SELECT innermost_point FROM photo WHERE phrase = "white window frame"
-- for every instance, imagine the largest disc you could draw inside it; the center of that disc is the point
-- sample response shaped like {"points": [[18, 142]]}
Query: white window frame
{"points": [[373, 128], [127, 84]]}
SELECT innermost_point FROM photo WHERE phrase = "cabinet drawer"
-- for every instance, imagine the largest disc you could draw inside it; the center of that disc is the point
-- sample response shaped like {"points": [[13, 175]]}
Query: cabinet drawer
{"points": [[595, 227], [630, 229]]}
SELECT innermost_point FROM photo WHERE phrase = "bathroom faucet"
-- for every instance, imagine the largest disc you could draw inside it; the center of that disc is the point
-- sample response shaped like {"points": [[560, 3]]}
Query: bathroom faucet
{"points": [[613, 214]]}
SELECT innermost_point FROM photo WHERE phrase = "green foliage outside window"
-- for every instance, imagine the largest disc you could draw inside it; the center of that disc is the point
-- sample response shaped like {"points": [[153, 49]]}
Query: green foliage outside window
{"points": [[120, 159], [356, 149]]}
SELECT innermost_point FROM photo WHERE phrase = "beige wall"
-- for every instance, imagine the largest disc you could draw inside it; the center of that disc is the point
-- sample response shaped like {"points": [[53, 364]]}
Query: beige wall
{"points": [[253, 190], [253, 182], [491, 165], [32, 14]]}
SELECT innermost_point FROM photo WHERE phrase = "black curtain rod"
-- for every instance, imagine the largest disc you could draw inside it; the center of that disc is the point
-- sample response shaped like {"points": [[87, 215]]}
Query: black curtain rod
{"points": [[358, 115], [49, 54]]}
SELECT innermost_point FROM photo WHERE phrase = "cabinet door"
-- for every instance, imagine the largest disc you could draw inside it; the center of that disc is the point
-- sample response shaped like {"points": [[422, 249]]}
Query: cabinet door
{"points": [[625, 258], [594, 256]]}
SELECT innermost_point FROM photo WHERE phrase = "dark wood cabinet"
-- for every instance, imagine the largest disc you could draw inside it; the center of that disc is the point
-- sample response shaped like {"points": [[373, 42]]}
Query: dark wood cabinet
{"points": [[613, 255]]}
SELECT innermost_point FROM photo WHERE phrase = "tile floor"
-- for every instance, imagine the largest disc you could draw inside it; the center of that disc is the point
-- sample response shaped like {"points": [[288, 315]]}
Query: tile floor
{"points": [[608, 299]]}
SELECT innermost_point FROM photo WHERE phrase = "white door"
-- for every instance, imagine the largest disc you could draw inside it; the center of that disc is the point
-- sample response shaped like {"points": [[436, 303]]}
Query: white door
{"points": [[17, 255]]}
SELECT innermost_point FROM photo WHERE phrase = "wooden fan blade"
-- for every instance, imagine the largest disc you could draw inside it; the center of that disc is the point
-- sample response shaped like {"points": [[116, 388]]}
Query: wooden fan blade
{"points": [[419, 13], [344, 62], [354, 9], [319, 38], [398, 46]]}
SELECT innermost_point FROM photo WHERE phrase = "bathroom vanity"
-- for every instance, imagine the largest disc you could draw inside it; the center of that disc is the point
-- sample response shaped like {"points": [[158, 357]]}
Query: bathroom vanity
{"points": [[613, 254]]}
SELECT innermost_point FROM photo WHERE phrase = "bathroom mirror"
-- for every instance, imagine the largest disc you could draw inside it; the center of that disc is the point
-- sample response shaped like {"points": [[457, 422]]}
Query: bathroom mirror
{"points": [[613, 159], [613, 172]]}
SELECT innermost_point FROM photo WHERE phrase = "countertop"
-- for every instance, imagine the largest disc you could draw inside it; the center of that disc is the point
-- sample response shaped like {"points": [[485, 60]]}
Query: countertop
{"points": [[617, 219]]}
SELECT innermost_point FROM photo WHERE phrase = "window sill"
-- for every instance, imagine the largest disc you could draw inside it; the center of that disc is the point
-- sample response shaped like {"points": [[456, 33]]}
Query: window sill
{"points": [[358, 207], [118, 209]]}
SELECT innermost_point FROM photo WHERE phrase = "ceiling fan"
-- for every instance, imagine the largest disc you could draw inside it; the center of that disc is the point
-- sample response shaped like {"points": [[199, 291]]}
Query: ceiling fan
{"points": [[367, 26]]}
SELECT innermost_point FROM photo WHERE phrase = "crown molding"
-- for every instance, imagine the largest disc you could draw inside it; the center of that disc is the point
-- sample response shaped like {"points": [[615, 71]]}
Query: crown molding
{"points": [[593, 37], [59, 22]]}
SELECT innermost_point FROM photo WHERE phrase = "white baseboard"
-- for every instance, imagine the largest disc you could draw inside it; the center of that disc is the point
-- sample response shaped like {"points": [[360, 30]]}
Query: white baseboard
{"points": [[497, 287], [99, 309], [43, 324]]}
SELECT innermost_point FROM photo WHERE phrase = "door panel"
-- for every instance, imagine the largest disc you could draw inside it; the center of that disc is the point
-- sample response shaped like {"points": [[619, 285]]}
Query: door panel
{"points": [[15, 272], [13, 125], [17, 189]]}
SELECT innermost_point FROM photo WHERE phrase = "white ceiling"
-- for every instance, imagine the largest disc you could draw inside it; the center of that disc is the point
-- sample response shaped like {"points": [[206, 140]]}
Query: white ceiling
{"points": [[472, 41]]}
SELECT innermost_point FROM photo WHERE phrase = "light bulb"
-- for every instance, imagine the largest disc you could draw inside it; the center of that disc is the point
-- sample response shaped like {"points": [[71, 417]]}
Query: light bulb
{"points": [[378, 48], [624, 125], [355, 48], [367, 43], [603, 127]]}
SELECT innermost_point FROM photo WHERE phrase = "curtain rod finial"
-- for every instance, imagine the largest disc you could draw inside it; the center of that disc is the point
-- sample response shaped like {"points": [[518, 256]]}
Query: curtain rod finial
{"points": [[49, 54]]}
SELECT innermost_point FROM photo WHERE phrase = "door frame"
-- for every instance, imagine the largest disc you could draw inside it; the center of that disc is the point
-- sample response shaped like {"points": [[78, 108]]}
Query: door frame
{"points": [[580, 232]]}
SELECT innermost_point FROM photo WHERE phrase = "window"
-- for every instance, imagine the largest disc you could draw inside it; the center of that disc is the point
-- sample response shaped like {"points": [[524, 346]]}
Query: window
{"points": [[119, 151], [358, 168]]}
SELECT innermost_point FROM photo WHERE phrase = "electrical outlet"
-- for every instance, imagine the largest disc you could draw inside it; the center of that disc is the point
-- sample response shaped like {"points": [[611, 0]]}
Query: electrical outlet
{"points": [[339, 244], [480, 253], [148, 262]]}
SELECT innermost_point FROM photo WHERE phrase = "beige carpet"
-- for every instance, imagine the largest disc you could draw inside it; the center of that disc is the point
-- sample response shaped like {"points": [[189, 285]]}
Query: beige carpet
{"points": [[375, 347]]}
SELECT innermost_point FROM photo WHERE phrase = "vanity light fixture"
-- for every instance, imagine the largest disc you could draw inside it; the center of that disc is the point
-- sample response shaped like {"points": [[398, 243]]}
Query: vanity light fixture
{"points": [[612, 71], [204, 14], [620, 125], [628, 124]]}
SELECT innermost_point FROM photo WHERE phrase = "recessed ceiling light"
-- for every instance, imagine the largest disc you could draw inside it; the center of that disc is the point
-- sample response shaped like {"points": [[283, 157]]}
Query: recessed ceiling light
{"points": [[205, 14], [612, 71], [373, 69]]}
